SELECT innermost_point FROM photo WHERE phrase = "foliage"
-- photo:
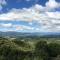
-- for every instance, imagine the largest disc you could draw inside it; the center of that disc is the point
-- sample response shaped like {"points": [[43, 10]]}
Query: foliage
{"points": [[29, 49]]}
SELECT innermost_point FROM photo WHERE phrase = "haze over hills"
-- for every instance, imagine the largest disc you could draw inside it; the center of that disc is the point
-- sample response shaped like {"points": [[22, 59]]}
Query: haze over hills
{"points": [[26, 34]]}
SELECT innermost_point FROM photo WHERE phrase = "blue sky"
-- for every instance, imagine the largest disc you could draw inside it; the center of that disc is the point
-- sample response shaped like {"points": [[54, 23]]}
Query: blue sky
{"points": [[30, 15]]}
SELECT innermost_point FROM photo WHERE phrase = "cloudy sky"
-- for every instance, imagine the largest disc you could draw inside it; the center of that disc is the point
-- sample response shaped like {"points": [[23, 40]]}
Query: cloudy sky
{"points": [[30, 15]]}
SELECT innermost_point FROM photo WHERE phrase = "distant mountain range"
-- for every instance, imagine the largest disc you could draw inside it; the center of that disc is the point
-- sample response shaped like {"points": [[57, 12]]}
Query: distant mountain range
{"points": [[27, 34]]}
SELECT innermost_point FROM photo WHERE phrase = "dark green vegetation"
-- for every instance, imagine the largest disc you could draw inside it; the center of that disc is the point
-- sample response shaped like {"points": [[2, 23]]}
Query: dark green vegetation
{"points": [[34, 48]]}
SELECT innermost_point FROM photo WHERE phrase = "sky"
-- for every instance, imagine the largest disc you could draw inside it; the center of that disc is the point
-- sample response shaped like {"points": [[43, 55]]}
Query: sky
{"points": [[30, 15]]}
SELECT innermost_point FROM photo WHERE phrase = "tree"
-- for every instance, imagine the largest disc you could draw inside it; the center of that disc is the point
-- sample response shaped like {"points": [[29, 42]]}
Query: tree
{"points": [[41, 50], [53, 49]]}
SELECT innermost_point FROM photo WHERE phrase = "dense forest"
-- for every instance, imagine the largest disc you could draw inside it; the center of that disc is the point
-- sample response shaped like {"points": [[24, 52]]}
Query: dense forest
{"points": [[29, 48]]}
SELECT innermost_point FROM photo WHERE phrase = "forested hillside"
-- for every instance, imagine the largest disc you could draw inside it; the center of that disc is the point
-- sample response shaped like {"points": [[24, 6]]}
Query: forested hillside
{"points": [[29, 49]]}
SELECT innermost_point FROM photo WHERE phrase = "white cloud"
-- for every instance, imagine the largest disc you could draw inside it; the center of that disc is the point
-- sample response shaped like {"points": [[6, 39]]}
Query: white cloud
{"points": [[8, 25], [52, 4], [48, 21], [2, 3], [28, 14], [38, 7], [55, 15], [15, 27], [23, 27]]}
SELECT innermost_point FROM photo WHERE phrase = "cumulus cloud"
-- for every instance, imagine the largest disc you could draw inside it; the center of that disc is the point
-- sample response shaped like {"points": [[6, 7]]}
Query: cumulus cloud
{"points": [[23, 27], [51, 4], [33, 13], [43, 15], [15, 27], [8, 25], [2, 3]]}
